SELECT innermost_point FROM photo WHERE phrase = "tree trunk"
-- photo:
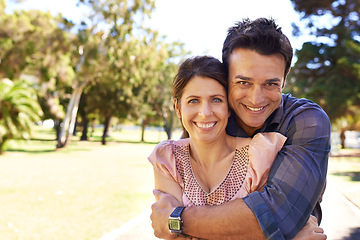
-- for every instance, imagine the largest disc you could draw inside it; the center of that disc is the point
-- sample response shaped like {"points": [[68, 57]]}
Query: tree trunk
{"points": [[70, 117], [342, 138], [142, 132], [144, 124], [168, 120], [57, 128], [67, 127], [106, 130], [75, 126], [85, 125], [84, 118]]}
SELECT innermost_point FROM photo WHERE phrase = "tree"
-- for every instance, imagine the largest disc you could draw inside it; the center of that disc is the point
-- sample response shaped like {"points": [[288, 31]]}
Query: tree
{"points": [[19, 109], [34, 46], [118, 19], [328, 69]]}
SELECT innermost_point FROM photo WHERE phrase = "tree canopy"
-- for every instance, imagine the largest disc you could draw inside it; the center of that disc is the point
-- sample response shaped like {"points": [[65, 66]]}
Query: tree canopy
{"points": [[328, 68], [123, 69]]}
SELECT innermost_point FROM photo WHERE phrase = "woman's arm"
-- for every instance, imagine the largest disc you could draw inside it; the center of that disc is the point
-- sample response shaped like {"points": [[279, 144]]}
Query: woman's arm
{"points": [[172, 188], [168, 186]]}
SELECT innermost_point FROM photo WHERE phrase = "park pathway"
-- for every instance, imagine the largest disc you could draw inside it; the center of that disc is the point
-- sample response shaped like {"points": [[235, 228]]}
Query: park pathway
{"points": [[341, 218]]}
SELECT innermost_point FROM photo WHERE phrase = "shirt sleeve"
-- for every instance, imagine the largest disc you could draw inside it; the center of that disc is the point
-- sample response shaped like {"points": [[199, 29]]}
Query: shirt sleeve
{"points": [[263, 149], [163, 160], [296, 178]]}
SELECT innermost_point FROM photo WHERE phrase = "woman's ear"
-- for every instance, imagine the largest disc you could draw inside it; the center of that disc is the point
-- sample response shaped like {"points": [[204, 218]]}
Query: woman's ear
{"points": [[177, 107]]}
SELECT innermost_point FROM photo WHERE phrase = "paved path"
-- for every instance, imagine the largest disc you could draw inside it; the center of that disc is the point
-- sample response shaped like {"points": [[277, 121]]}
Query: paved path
{"points": [[341, 220]]}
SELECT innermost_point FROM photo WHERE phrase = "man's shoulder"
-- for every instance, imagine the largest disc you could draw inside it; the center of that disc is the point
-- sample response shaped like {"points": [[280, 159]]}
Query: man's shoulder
{"points": [[295, 106]]}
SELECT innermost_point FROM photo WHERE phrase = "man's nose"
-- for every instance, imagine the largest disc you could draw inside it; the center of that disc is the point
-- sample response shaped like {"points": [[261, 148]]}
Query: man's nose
{"points": [[256, 95]]}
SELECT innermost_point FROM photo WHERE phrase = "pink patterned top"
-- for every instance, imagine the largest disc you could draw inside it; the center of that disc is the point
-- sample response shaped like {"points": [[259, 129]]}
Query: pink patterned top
{"points": [[249, 171]]}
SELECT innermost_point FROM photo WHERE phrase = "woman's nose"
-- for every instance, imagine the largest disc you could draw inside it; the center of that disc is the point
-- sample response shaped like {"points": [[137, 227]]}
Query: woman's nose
{"points": [[205, 110]]}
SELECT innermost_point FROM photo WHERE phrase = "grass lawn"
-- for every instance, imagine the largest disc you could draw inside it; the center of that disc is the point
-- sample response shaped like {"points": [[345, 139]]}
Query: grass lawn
{"points": [[344, 172], [80, 192], [87, 190]]}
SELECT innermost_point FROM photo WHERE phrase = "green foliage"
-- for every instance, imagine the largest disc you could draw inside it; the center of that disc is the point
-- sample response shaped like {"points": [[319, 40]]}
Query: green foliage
{"points": [[34, 45], [124, 68], [327, 70], [19, 109]]}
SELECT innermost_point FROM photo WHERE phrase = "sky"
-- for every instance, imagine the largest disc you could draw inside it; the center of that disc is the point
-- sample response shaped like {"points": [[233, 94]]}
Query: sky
{"points": [[200, 24]]}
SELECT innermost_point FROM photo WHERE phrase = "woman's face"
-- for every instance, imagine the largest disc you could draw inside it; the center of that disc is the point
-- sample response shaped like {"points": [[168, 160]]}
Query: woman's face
{"points": [[203, 109]]}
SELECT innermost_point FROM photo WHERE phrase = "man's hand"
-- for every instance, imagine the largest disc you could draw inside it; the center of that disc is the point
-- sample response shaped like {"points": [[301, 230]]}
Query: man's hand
{"points": [[311, 231], [161, 210]]}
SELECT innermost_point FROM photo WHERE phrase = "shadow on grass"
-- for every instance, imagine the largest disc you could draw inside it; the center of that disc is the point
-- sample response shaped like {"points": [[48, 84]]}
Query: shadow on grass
{"points": [[33, 151], [122, 141], [49, 145], [354, 176], [42, 140]]}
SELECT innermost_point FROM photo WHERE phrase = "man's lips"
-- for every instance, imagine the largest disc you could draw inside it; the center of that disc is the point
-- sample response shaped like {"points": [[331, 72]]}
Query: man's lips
{"points": [[254, 109]]}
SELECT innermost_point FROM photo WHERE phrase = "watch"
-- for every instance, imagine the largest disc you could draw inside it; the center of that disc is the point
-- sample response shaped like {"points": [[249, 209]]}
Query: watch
{"points": [[175, 222]]}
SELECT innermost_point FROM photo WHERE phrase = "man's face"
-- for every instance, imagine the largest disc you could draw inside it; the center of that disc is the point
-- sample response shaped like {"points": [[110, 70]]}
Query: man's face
{"points": [[255, 85]]}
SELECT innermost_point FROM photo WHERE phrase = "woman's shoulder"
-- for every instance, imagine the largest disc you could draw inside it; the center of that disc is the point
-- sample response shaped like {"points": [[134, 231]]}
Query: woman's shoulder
{"points": [[169, 144]]}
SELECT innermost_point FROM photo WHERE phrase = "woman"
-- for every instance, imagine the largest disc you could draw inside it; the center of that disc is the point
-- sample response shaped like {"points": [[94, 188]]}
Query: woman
{"points": [[210, 167]]}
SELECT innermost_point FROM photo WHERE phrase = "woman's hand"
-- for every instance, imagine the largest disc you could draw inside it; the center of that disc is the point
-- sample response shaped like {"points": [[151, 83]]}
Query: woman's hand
{"points": [[311, 231]]}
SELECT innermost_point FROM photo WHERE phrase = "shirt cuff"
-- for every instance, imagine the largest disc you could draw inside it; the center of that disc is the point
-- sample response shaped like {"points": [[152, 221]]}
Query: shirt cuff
{"points": [[264, 216]]}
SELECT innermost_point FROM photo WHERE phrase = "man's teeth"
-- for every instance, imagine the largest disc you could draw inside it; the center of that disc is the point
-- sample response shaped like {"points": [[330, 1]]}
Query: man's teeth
{"points": [[254, 109], [205, 125]]}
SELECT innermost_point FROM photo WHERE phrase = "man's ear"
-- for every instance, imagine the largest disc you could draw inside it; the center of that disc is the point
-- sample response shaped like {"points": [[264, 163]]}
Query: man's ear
{"points": [[177, 107]]}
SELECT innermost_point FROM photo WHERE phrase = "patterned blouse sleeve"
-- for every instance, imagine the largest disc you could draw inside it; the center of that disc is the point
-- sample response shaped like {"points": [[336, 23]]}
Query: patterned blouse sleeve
{"points": [[263, 149], [163, 160]]}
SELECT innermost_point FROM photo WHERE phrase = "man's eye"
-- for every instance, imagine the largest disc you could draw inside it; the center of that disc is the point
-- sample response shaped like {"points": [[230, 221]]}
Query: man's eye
{"points": [[242, 82], [271, 85]]}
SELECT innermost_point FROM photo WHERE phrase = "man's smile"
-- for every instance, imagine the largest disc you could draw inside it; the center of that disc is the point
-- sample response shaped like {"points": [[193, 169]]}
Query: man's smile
{"points": [[254, 109]]}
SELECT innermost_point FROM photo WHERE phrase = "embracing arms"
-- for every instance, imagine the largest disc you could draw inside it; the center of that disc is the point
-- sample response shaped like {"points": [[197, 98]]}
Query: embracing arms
{"points": [[161, 210], [295, 183]]}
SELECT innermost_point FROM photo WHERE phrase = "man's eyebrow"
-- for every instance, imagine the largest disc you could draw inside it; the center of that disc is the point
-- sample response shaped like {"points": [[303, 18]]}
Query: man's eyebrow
{"points": [[273, 80], [249, 78], [242, 77]]}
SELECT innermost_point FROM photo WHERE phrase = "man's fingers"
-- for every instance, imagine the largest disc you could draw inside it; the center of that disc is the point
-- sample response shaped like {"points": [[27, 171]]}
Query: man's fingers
{"points": [[158, 193], [318, 230], [313, 220]]}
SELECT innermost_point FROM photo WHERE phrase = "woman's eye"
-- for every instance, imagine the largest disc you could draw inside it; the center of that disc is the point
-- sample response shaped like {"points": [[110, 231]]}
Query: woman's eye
{"points": [[217, 100], [193, 101]]}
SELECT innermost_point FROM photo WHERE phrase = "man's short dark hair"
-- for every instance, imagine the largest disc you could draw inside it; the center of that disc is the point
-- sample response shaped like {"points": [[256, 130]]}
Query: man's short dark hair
{"points": [[261, 35]]}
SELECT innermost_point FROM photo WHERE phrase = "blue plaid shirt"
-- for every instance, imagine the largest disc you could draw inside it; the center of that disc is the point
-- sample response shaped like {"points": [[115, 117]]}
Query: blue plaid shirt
{"points": [[298, 174]]}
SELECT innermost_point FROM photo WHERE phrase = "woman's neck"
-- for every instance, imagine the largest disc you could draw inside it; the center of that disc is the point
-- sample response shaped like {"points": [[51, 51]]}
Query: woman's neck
{"points": [[208, 154]]}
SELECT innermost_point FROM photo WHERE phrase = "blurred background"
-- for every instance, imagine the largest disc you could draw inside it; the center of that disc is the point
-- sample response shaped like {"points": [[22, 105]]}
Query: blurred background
{"points": [[85, 94]]}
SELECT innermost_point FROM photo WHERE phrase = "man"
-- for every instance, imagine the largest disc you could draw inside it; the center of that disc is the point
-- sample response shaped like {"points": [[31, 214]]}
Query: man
{"points": [[257, 56]]}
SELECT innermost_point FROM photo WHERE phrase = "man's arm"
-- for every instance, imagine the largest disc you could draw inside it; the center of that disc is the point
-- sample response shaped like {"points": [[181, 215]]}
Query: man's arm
{"points": [[297, 176], [231, 220]]}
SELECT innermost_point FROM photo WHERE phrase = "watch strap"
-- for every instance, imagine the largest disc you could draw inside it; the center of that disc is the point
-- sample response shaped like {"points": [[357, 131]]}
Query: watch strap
{"points": [[177, 212]]}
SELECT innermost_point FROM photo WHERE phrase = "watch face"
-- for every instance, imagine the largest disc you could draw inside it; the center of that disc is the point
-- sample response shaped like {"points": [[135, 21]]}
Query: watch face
{"points": [[174, 224]]}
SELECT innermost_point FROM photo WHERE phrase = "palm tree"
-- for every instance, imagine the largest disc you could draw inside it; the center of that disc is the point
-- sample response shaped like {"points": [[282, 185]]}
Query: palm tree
{"points": [[19, 109]]}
